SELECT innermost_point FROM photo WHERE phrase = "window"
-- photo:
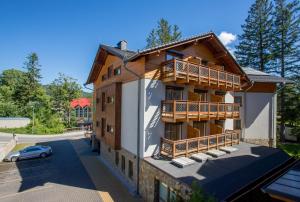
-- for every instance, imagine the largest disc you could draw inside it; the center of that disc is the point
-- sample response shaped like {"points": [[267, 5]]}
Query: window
{"points": [[237, 124], [85, 112], [163, 193], [77, 111], [103, 125], [117, 158], [172, 54], [109, 71], [202, 94], [174, 93], [117, 71], [110, 99], [80, 112], [238, 99], [103, 101], [97, 100], [130, 169], [204, 62], [97, 123], [173, 131], [104, 77], [123, 164], [109, 129]]}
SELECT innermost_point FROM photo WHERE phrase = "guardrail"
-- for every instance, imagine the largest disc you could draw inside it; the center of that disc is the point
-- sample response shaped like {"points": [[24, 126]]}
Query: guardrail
{"points": [[173, 70], [185, 147], [173, 110]]}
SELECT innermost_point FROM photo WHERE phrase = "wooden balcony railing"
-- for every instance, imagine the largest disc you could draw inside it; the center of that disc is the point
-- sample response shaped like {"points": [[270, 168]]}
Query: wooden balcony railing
{"points": [[186, 72], [187, 147], [179, 110]]}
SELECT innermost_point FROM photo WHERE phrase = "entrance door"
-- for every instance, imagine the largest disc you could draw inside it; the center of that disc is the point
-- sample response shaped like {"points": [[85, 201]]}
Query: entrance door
{"points": [[173, 131], [202, 95], [201, 126], [174, 93]]}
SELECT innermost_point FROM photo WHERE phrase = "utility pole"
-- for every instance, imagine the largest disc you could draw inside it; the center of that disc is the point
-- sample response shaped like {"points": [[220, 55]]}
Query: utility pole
{"points": [[32, 119]]}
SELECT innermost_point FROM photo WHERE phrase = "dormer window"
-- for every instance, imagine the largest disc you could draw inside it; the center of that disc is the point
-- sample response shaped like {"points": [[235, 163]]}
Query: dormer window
{"points": [[173, 54]]}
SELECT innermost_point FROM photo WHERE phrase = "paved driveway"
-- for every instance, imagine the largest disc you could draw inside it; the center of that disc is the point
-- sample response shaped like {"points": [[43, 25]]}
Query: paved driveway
{"points": [[60, 177]]}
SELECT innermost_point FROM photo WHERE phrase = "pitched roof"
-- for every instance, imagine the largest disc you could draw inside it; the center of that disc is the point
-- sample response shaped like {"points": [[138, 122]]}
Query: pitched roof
{"points": [[259, 76], [131, 55], [82, 102], [118, 52]]}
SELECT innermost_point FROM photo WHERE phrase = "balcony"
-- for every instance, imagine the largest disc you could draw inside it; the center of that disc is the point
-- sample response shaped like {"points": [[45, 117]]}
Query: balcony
{"points": [[179, 110], [187, 147], [187, 72]]}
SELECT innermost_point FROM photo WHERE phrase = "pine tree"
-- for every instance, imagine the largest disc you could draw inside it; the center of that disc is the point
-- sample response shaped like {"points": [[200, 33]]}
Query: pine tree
{"points": [[164, 33], [254, 47], [286, 48]]}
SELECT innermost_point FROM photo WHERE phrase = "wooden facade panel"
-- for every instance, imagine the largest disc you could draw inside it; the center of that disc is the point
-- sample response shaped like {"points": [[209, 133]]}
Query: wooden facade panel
{"points": [[263, 88], [111, 114]]}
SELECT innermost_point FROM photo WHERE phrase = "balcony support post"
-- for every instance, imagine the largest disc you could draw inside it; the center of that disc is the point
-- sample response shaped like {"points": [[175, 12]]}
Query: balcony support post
{"points": [[186, 147], [187, 72], [174, 68], [187, 111], [199, 106], [174, 110]]}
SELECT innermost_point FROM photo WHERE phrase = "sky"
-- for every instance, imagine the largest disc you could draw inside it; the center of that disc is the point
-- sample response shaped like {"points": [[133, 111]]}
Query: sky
{"points": [[66, 33]]}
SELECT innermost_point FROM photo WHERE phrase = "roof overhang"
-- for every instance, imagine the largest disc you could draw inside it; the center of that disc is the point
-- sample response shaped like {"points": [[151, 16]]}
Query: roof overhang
{"points": [[210, 39]]}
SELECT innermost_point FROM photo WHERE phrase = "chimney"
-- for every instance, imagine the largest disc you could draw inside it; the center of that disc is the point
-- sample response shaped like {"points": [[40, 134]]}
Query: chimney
{"points": [[122, 45]]}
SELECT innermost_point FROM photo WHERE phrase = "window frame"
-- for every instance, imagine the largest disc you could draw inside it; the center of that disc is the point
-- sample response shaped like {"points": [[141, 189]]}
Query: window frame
{"points": [[130, 169], [123, 163], [117, 71]]}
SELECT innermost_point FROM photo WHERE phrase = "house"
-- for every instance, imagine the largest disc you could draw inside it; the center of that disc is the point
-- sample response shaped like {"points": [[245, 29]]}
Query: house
{"points": [[177, 99], [83, 111]]}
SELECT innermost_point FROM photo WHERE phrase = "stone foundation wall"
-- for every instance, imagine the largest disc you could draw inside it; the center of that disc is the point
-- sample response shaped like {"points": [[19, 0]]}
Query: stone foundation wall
{"points": [[109, 155], [148, 174], [263, 142]]}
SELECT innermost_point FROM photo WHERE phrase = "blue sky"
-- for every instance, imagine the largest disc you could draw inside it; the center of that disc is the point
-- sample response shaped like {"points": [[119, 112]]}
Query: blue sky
{"points": [[66, 33]]}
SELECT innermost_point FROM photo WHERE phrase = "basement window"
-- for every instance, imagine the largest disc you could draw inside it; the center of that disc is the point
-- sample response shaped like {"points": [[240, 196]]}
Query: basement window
{"points": [[117, 158], [123, 164], [130, 169]]}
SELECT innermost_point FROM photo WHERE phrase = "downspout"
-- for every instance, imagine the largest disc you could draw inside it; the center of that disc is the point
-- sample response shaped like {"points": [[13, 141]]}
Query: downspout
{"points": [[138, 122]]}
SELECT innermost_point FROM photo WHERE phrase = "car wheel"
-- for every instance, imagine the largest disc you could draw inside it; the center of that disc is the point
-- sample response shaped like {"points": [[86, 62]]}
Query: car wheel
{"points": [[14, 159], [43, 155]]}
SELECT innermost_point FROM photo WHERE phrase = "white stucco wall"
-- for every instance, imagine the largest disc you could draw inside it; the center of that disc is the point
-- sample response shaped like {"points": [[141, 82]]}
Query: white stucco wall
{"points": [[229, 98], [151, 126], [154, 93], [258, 115], [11, 122], [129, 116]]}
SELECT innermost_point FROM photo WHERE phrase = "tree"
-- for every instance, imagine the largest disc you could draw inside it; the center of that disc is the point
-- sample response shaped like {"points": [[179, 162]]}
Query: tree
{"points": [[286, 50], [164, 33], [10, 80], [30, 89], [62, 91], [255, 42], [198, 195]]}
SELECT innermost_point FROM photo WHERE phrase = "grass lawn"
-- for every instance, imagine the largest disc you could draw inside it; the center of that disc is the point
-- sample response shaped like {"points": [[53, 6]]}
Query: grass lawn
{"points": [[291, 149], [22, 146]]}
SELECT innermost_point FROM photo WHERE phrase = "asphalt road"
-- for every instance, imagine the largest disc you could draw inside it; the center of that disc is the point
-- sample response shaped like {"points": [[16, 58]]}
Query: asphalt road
{"points": [[60, 177]]}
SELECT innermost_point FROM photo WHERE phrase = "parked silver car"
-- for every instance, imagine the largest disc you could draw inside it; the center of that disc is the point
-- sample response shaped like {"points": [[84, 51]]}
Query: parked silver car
{"points": [[29, 152]]}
